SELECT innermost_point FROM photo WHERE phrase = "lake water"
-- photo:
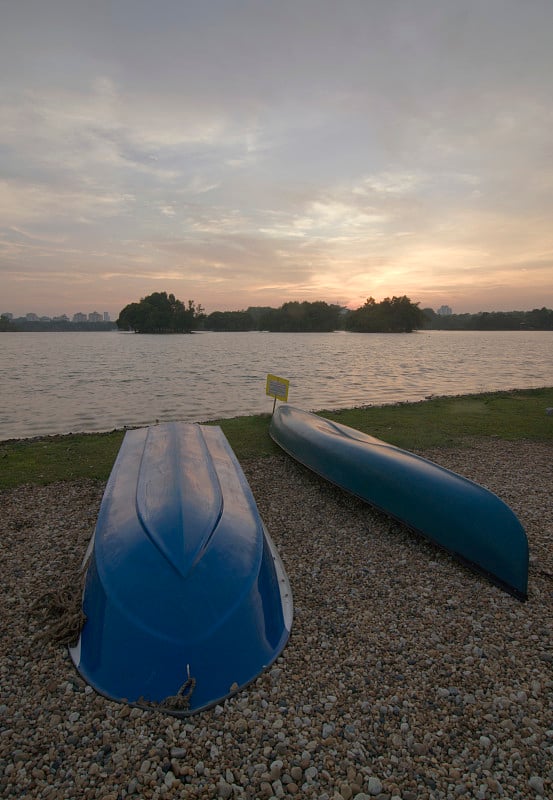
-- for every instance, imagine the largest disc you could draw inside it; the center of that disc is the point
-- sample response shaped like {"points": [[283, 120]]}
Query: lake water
{"points": [[68, 382]]}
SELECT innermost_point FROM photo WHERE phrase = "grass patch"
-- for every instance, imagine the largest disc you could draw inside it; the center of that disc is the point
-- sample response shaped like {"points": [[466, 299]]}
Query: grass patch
{"points": [[438, 422], [446, 421], [249, 436], [58, 458]]}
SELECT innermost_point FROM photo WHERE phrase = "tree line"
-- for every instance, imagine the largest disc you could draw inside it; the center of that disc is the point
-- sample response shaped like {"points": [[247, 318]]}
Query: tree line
{"points": [[392, 315], [163, 313], [539, 319], [160, 312]]}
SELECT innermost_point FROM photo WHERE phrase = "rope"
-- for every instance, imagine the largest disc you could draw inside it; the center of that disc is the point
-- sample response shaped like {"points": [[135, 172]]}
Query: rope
{"points": [[60, 612], [61, 615], [181, 700], [175, 703], [61, 618]]}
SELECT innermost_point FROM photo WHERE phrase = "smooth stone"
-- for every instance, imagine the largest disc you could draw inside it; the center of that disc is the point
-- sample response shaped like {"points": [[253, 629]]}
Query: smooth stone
{"points": [[328, 730], [536, 783], [374, 785]]}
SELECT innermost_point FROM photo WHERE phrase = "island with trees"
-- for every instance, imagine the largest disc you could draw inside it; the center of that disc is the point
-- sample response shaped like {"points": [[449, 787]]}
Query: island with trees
{"points": [[160, 313]]}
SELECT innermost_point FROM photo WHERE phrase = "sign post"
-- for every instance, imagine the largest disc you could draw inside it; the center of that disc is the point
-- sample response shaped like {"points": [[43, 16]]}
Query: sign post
{"points": [[278, 388]]}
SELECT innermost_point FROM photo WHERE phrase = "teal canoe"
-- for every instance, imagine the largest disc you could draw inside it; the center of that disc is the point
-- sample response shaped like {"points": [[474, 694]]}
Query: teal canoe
{"points": [[461, 516]]}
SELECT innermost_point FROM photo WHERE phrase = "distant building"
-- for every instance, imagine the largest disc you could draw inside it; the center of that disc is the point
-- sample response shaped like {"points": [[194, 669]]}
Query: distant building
{"points": [[79, 317], [94, 316], [444, 311], [61, 318], [106, 316], [7, 315], [31, 317], [45, 319]]}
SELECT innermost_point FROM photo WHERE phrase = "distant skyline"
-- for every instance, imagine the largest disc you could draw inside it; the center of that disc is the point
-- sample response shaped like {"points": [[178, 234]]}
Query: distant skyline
{"points": [[244, 153], [74, 316]]}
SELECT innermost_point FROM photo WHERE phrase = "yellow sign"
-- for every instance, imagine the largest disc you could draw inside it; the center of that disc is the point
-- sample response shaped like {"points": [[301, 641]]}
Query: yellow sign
{"points": [[277, 387]]}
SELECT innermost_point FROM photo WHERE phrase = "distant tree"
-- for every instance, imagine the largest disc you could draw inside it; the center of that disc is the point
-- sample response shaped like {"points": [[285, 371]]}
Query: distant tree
{"points": [[270, 320], [319, 317], [160, 313], [495, 320], [395, 315], [229, 321], [322, 317], [257, 312], [538, 319], [6, 324], [429, 317]]}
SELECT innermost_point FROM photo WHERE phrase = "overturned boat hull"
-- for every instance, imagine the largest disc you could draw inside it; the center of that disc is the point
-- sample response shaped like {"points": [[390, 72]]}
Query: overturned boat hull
{"points": [[186, 599], [466, 519]]}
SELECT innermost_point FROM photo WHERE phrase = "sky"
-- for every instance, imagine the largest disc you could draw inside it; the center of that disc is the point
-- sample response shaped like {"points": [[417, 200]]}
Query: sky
{"points": [[246, 153]]}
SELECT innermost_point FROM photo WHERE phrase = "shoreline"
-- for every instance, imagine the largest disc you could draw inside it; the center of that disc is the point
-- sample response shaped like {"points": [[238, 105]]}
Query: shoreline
{"points": [[338, 410]]}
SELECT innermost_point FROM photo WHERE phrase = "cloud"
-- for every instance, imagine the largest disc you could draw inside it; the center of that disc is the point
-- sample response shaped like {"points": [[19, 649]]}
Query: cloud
{"points": [[244, 151]]}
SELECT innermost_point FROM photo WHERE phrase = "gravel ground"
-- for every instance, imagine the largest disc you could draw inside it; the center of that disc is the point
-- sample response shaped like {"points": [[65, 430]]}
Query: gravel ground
{"points": [[405, 676]]}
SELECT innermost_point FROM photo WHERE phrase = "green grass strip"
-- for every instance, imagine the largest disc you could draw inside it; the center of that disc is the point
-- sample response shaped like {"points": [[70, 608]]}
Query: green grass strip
{"points": [[437, 422]]}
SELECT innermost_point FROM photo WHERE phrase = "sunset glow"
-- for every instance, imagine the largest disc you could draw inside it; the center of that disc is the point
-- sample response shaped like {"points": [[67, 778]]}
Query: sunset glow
{"points": [[245, 154]]}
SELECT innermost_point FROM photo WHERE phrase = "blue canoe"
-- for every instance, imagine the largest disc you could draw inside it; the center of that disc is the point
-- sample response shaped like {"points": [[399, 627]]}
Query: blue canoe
{"points": [[467, 520], [186, 599]]}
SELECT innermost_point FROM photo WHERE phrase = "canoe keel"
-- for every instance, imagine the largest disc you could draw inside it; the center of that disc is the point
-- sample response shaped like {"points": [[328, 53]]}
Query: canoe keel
{"points": [[186, 599], [459, 515]]}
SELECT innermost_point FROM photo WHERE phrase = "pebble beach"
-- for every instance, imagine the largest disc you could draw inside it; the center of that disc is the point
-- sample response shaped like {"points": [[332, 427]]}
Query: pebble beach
{"points": [[406, 676]]}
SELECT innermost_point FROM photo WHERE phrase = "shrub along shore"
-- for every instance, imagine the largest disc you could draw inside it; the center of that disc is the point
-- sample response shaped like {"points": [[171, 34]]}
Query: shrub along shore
{"points": [[436, 422]]}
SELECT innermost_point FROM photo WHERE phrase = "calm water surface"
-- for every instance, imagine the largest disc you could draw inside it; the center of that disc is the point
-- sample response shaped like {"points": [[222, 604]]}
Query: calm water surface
{"points": [[68, 382]]}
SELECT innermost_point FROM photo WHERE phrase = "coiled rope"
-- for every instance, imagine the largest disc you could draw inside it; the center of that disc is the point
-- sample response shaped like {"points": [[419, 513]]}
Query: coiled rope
{"points": [[59, 612]]}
